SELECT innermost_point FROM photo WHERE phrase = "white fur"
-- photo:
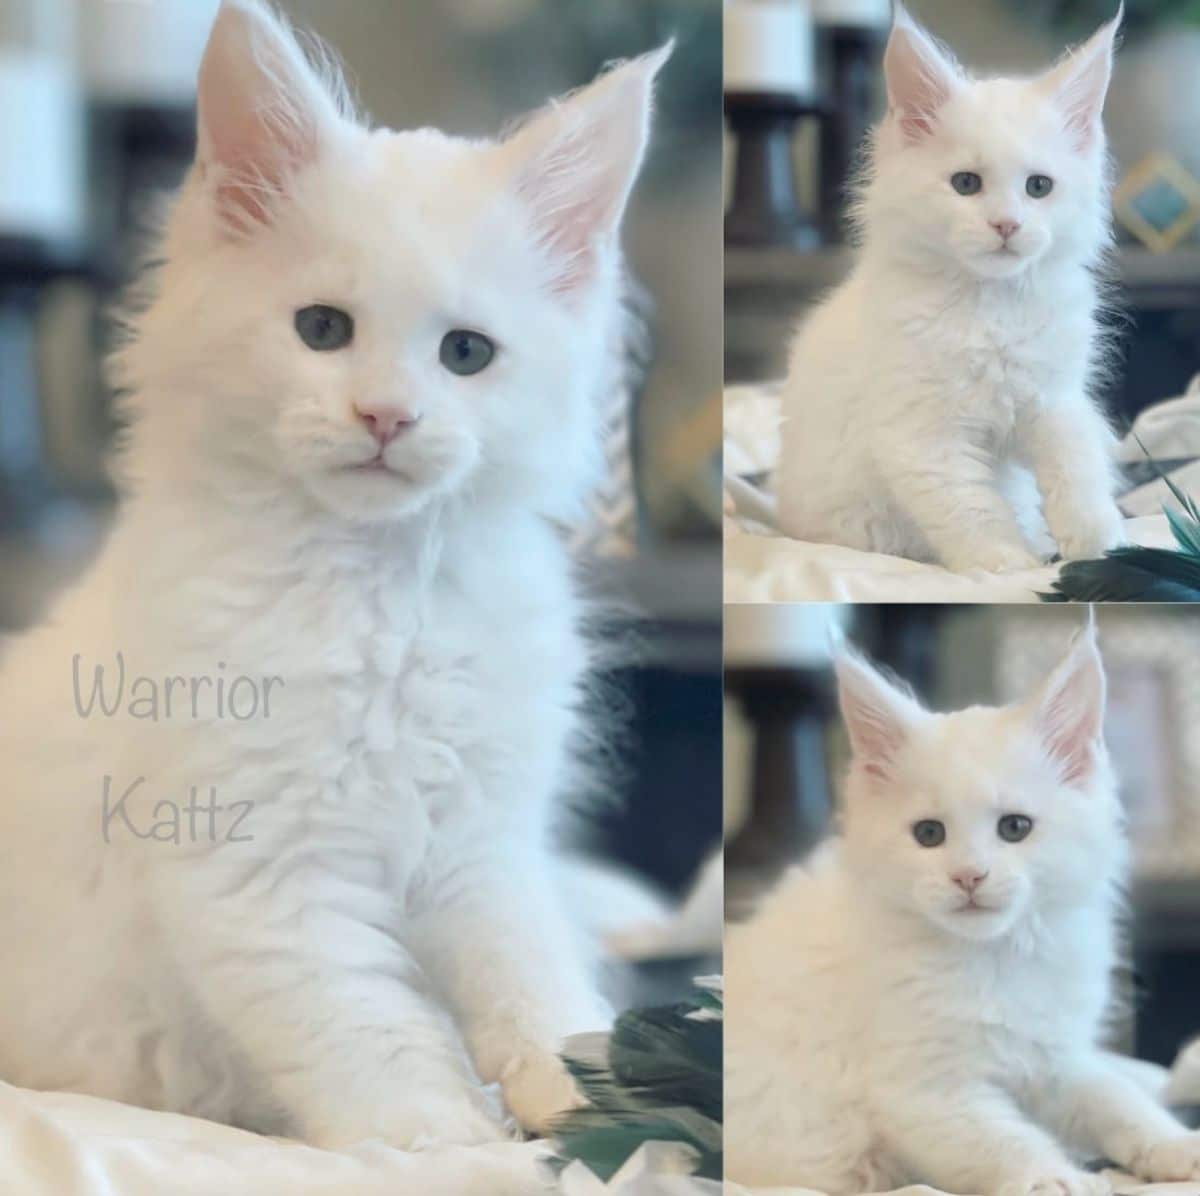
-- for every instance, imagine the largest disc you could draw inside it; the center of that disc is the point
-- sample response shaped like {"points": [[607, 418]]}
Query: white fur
{"points": [[928, 391], [392, 935], [878, 1033]]}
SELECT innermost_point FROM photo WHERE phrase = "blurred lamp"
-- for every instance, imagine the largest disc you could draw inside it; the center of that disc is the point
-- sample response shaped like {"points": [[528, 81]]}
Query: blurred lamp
{"points": [[801, 635], [770, 86], [41, 173], [144, 51], [872, 13]]}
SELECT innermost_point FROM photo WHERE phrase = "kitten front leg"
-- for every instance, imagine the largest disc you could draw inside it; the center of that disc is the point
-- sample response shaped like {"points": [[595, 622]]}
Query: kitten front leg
{"points": [[976, 1140], [1098, 1103], [325, 1008], [953, 497], [512, 965], [1070, 449]]}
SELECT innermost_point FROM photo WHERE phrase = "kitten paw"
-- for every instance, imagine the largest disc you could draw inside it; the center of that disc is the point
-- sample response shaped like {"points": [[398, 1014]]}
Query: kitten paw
{"points": [[995, 558], [1063, 1183], [537, 1089], [1173, 1160], [1090, 540], [441, 1121]]}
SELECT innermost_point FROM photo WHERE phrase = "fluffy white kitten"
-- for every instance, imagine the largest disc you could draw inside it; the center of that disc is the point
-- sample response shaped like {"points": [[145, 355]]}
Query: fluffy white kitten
{"points": [[946, 383], [365, 384], [924, 1000]]}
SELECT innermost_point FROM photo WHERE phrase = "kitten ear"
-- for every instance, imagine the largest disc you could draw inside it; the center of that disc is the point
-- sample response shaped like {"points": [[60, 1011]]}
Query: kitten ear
{"points": [[1078, 83], [262, 110], [879, 716], [1068, 710], [576, 163], [921, 75]]}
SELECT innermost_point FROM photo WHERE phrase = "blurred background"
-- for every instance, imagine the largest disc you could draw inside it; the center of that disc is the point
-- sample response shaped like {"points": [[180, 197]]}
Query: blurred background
{"points": [[785, 752], [96, 122], [802, 84]]}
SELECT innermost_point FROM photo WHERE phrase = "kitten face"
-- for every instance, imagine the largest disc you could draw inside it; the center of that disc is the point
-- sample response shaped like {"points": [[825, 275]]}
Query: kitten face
{"points": [[388, 319], [970, 772], [990, 176], [442, 251], [978, 820], [1007, 139]]}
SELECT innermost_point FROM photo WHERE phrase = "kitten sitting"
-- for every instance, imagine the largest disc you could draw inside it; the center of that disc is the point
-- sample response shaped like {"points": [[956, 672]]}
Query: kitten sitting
{"points": [[365, 392], [945, 387], [924, 1001]]}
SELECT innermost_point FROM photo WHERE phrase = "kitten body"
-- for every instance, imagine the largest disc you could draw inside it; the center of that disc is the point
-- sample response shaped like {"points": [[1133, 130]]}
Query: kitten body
{"points": [[887, 1025], [381, 928], [938, 403]]}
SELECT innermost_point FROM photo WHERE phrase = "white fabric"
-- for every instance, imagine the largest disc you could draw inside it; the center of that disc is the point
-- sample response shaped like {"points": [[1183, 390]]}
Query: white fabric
{"points": [[763, 566], [1121, 1183], [655, 1169], [55, 1144], [1183, 1087]]}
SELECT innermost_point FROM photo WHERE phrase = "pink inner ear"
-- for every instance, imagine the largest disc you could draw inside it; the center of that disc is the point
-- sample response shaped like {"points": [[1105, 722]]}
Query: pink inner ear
{"points": [[1079, 84], [875, 719], [577, 163], [1071, 714], [876, 742], [1069, 738], [568, 217], [254, 174], [260, 106], [919, 82]]}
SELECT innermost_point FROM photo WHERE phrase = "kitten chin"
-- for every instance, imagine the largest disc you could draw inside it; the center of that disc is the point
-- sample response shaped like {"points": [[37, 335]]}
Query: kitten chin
{"points": [[415, 477]]}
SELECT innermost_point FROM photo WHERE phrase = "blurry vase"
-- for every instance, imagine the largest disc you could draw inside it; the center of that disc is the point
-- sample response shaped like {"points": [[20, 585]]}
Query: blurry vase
{"points": [[1154, 103], [144, 52], [41, 174]]}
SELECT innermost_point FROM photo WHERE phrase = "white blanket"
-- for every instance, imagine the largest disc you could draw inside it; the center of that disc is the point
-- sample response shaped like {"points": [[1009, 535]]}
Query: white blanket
{"points": [[762, 565], [55, 1144]]}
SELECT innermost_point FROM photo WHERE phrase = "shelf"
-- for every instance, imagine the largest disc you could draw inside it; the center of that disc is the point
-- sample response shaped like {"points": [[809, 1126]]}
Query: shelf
{"points": [[1151, 278]]}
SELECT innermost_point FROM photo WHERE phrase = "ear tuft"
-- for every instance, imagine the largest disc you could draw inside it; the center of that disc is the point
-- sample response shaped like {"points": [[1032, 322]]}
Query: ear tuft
{"points": [[263, 110], [1068, 711], [576, 163], [878, 714], [921, 75], [1078, 83]]}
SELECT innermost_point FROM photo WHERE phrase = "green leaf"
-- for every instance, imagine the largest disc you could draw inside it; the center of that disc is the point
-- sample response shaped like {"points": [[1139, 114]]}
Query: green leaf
{"points": [[657, 1078], [1129, 575], [1186, 531]]}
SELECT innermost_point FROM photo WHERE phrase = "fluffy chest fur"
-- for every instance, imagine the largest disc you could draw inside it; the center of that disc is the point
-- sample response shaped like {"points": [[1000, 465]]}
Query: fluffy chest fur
{"points": [[417, 684], [983, 353]]}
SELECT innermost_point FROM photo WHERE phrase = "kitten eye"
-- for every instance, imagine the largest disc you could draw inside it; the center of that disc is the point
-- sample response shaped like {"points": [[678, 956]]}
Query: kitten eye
{"points": [[966, 182], [929, 832], [1039, 185], [465, 352], [1012, 828], [324, 328]]}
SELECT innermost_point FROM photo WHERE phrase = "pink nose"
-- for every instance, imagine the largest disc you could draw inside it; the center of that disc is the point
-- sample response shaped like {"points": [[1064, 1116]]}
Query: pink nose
{"points": [[386, 423], [968, 879], [1006, 228]]}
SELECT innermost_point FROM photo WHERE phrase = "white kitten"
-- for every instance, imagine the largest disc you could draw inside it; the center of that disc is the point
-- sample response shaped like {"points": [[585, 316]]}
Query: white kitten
{"points": [[365, 384], [924, 1000], [952, 370]]}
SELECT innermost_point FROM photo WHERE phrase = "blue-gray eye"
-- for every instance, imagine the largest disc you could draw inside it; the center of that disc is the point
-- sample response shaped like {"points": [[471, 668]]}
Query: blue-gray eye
{"points": [[966, 182], [1038, 186], [1012, 828], [465, 352], [929, 832], [324, 328]]}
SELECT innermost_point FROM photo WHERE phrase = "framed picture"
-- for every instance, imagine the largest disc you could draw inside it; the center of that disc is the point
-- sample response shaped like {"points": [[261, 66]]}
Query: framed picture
{"points": [[1158, 201]]}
